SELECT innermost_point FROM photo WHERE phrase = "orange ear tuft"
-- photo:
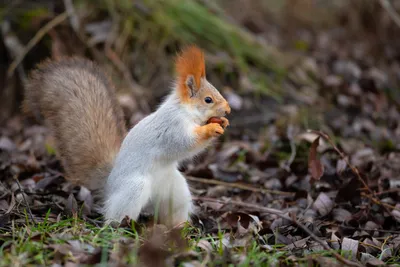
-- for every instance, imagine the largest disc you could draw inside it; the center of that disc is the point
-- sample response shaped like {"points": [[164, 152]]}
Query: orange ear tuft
{"points": [[190, 62]]}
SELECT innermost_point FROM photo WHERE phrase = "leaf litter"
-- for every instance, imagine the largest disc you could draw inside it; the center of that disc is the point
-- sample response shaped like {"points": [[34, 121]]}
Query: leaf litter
{"points": [[253, 190]]}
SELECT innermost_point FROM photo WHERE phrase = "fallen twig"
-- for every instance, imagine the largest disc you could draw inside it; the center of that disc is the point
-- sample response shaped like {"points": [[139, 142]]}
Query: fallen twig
{"points": [[281, 214], [391, 11], [353, 169], [238, 185], [38, 36], [377, 201]]}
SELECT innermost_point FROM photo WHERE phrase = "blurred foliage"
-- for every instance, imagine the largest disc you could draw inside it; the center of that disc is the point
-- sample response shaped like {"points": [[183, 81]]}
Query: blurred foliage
{"points": [[146, 35], [156, 27]]}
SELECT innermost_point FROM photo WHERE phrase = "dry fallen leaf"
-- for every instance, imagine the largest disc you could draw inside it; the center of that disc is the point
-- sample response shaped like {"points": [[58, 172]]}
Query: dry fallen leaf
{"points": [[350, 245], [7, 144], [315, 167], [323, 204], [341, 165], [370, 260], [72, 205], [341, 215]]}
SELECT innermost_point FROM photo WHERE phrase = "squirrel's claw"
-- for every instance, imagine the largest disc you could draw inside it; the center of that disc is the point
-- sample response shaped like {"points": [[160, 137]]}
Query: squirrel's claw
{"points": [[225, 122]]}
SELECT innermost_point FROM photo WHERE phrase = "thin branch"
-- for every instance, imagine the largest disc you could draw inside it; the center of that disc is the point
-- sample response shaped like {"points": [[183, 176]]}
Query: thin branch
{"points": [[377, 201], [387, 6], [281, 214], [245, 205], [353, 169], [389, 191], [13, 45], [238, 185], [38, 36]]}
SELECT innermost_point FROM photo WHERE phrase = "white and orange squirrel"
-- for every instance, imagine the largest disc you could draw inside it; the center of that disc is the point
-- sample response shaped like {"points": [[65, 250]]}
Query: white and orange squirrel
{"points": [[138, 169]]}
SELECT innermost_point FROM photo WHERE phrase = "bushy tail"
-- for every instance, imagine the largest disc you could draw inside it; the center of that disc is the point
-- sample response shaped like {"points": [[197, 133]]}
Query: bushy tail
{"points": [[78, 103]]}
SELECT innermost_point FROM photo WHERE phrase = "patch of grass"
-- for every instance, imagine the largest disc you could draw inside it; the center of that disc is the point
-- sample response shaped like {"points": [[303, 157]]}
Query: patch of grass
{"points": [[256, 256], [42, 244], [36, 243]]}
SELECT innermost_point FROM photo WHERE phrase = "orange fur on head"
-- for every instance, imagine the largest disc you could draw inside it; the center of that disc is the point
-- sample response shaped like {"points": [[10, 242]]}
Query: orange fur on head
{"points": [[190, 62]]}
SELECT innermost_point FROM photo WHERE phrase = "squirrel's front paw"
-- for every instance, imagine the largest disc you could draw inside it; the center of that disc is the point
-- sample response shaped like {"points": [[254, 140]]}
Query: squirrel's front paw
{"points": [[208, 131], [215, 129]]}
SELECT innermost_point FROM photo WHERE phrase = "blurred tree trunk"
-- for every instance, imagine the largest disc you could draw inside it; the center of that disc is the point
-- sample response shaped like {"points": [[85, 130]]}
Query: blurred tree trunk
{"points": [[9, 87]]}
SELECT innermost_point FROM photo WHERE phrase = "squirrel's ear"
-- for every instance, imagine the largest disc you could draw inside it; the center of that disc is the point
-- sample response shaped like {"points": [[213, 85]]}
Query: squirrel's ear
{"points": [[190, 68]]}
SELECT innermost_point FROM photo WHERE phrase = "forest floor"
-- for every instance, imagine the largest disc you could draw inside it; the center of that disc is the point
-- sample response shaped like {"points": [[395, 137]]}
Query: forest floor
{"points": [[308, 175]]}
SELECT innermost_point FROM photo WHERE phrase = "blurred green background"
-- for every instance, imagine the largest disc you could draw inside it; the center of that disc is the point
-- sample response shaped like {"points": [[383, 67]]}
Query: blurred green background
{"points": [[299, 57]]}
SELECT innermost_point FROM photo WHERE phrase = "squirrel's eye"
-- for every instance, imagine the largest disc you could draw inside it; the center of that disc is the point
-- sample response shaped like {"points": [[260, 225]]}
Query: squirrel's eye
{"points": [[208, 100]]}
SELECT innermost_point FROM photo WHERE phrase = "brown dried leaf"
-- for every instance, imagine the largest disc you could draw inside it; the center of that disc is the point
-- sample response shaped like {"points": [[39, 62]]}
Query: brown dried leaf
{"points": [[396, 213], [226, 173], [217, 191], [91, 258], [4, 205], [302, 243], [326, 261], [62, 249], [341, 165], [233, 218], [4, 219], [316, 246], [370, 260], [341, 215], [351, 245], [72, 205], [370, 246], [335, 241], [44, 183], [7, 144], [315, 167], [153, 251], [205, 245], [323, 204]]}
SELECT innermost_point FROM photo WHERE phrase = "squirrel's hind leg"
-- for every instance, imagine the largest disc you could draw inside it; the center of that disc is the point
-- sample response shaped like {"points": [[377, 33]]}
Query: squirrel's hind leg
{"points": [[175, 204], [127, 201]]}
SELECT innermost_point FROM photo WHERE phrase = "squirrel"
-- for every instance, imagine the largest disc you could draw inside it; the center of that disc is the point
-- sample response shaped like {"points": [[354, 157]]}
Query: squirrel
{"points": [[138, 169]]}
